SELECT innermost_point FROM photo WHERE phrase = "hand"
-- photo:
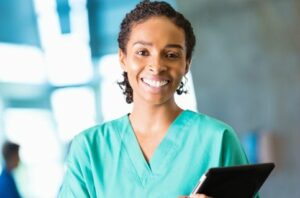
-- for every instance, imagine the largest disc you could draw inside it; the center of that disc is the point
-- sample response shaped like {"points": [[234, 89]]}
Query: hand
{"points": [[196, 196]]}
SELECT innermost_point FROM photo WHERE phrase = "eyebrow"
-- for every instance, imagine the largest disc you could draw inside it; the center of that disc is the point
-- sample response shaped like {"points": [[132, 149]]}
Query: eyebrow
{"points": [[150, 44]]}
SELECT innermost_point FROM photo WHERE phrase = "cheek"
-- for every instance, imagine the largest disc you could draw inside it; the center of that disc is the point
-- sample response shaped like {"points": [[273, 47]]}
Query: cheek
{"points": [[135, 64], [135, 68], [178, 76], [180, 71], [133, 61], [132, 76]]}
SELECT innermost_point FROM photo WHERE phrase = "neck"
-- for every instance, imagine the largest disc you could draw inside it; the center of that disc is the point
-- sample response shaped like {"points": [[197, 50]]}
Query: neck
{"points": [[150, 119]]}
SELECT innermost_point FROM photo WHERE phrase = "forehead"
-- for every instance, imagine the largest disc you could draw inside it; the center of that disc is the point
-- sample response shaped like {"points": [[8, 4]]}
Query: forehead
{"points": [[158, 29]]}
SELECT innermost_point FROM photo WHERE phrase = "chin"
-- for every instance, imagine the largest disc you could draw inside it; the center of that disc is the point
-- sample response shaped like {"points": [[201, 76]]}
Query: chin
{"points": [[159, 100]]}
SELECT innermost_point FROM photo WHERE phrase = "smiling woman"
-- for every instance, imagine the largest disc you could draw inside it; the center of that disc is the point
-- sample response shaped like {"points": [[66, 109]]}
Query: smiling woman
{"points": [[158, 149]]}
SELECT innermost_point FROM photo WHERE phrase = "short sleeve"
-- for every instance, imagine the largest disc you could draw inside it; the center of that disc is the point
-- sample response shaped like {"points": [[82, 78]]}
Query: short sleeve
{"points": [[232, 150], [75, 181]]}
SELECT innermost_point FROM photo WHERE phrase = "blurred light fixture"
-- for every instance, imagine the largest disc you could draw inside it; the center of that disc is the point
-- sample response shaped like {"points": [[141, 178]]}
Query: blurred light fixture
{"points": [[74, 111], [22, 64]]}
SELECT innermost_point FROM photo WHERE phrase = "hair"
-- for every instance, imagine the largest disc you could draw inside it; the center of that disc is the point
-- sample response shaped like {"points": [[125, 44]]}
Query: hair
{"points": [[143, 11], [9, 149]]}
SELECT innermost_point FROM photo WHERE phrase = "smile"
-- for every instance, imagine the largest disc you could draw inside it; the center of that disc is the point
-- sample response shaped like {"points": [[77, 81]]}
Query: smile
{"points": [[155, 83]]}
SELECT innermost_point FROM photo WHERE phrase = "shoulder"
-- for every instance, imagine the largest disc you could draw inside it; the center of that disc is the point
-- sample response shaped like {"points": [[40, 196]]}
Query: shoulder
{"points": [[208, 123], [220, 138], [103, 131], [5, 176]]}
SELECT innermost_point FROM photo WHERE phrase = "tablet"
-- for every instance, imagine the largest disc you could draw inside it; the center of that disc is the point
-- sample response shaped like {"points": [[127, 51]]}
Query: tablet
{"points": [[234, 181]]}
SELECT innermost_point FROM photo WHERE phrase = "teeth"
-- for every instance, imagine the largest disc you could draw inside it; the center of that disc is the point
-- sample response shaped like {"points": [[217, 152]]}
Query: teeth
{"points": [[155, 83]]}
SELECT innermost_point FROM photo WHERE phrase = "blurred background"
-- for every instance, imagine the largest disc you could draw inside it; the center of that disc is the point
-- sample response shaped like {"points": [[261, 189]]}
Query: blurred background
{"points": [[59, 68]]}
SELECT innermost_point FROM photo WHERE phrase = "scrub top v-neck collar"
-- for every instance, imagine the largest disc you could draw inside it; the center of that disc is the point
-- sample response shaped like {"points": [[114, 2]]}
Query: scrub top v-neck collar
{"points": [[163, 154]]}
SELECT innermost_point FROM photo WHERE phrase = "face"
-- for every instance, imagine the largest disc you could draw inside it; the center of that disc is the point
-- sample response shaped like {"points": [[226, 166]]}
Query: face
{"points": [[15, 160], [155, 60]]}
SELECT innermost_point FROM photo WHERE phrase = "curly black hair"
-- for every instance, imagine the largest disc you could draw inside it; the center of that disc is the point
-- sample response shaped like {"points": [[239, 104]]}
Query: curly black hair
{"points": [[143, 11]]}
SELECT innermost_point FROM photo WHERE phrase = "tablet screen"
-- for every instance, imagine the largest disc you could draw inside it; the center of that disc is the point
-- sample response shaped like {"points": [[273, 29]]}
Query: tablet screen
{"points": [[234, 181]]}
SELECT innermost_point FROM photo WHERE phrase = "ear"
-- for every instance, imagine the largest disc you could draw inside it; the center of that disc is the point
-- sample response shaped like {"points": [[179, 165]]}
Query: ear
{"points": [[122, 59], [188, 65]]}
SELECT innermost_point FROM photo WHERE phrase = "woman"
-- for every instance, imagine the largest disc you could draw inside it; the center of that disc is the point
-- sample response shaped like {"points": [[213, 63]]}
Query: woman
{"points": [[159, 149]]}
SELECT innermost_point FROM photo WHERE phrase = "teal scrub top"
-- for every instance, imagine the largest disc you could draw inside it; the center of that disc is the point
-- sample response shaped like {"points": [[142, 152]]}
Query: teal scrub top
{"points": [[106, 160]]}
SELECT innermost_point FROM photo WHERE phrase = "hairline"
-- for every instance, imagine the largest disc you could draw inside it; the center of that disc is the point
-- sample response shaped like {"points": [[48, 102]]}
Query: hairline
{"points": [[171, 18]]}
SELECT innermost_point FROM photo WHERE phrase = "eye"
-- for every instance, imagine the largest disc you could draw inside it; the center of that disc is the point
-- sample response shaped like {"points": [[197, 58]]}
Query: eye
{"points": [[142, 52], [172, 55]]}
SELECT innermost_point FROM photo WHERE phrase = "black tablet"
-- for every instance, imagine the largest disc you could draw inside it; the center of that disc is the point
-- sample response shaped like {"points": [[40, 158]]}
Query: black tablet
{"points": [[234, 181]]}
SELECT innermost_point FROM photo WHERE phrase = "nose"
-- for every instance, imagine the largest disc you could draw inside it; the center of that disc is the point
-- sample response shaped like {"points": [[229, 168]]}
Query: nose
{"points": [[157, 66]]}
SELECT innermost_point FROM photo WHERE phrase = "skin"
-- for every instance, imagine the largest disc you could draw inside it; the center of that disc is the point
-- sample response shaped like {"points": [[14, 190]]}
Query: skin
{"points": [[155, 61], [13, 162]]}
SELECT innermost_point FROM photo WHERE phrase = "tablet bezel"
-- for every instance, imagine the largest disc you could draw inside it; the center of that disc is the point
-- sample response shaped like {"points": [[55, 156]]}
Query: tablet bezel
{"points": [[234, 181]]}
